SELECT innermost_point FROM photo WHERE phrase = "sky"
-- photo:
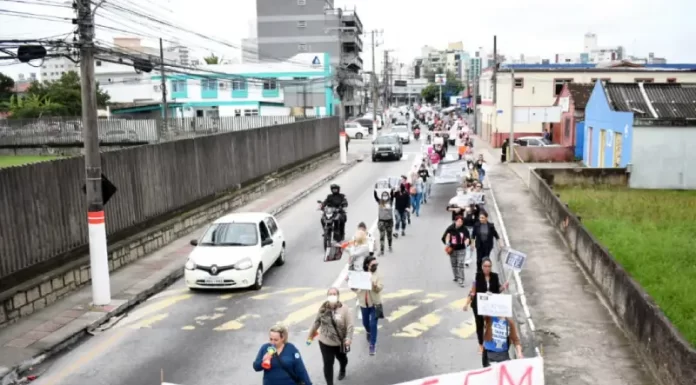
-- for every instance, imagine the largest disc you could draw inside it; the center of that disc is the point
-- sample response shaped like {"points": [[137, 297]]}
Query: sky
{"points": [[530, 27]]}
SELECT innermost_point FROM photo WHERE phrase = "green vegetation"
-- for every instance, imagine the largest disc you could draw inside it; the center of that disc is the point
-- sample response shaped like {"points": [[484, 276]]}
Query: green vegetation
{"points": [[19, 160], [652, 234], [452, 87]]}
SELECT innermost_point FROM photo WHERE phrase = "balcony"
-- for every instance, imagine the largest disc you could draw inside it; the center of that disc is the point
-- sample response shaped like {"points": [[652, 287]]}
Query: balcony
{"points": [[350, 19], [353, 79], [352, 60], [352, 38]]}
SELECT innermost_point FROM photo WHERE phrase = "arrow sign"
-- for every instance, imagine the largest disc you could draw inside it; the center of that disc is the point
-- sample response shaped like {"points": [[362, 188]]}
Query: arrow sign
{"points": [[108, 189]]}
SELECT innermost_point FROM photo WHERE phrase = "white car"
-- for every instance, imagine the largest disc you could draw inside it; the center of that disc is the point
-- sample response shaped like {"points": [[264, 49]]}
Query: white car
{"points": [[235, 252], [534, 141], [356, 130], [402, 131]]}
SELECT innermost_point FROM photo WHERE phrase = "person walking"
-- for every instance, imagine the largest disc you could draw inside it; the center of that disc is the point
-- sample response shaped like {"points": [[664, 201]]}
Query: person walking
{"points": [[480, 166], [402, 203], [385, 219], [417, 198], [484, 233], [471, 217], [485, 282], [498, 333], [457, 240], [280, 360], [424, 174], [370, 302], [334, 328]]}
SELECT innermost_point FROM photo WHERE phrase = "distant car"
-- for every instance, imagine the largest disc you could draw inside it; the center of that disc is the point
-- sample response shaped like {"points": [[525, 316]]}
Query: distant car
{"points": [[367, 122], [235, 252], [402, 131], [534, 141], [387, 147], [356, 130]]}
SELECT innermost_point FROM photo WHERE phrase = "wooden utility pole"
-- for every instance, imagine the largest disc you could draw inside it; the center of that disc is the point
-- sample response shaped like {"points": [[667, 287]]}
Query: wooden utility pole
{"points": [[165, 107]]}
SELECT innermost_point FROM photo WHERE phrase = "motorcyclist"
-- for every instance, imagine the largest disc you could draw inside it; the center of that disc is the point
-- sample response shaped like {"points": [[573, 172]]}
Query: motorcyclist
{"points": [[339, 202]]}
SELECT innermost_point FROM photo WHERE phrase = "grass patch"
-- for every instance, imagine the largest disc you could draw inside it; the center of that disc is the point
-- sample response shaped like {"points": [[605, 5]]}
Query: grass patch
{"points": [[19, 160], [652, 233]]}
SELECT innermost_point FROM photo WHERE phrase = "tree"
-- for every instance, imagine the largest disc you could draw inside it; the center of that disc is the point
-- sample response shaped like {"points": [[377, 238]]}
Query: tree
{"points": [[212, 59], [67, 93], [33, 106], [6, 91], [430, 93], [452, 87]]}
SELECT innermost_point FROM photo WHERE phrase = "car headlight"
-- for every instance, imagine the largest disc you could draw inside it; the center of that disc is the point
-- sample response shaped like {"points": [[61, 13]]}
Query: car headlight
{"points": [[244, 264], [190, 265], [393, 148]]}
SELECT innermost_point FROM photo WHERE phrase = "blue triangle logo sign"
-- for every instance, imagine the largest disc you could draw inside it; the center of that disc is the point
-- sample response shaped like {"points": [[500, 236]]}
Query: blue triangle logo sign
{"points": [[316, 61]]}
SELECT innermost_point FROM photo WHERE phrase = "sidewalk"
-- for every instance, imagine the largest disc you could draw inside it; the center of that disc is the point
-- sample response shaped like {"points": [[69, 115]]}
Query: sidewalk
{"points": [[578, 338], [26, 343]]}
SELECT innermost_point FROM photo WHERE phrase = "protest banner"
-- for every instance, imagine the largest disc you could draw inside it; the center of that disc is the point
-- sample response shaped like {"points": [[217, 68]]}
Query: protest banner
{"points": [[359, 280], [494, 305], [528, 371], [515, 259]]}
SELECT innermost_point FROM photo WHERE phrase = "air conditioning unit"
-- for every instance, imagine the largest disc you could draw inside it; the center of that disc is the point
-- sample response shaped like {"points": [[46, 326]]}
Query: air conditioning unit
{"points": [[156, 88], [222, 86]]}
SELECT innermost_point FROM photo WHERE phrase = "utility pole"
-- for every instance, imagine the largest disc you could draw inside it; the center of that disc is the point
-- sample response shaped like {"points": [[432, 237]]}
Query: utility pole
{"points": [[385, 75], [476, 81], [375, 88], [98, 255], [165, 107], [511, 137], [495, 69]]}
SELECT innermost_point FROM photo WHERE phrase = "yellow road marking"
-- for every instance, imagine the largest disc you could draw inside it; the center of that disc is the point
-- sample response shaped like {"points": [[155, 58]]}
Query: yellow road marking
{"points": [[458, 304], [400, 312], [400, 294], [148, 322], [279, 292], [431, 297], [167, 293], [228, 296], [310, 310], [152, 309], [235, 324], [220, 309], [308, 296], [361, 330], [465, 330], [188, 327], [424, 324], [202, 318]]}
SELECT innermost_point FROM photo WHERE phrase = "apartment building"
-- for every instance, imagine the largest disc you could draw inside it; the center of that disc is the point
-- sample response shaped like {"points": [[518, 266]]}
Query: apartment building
{"points": [[287, 28]]}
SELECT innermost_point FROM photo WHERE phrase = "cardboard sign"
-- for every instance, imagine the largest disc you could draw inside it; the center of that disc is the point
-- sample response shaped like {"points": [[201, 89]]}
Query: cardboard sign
{"points": [[494, 305], [515, 259], [360, 280], [528, 371]]}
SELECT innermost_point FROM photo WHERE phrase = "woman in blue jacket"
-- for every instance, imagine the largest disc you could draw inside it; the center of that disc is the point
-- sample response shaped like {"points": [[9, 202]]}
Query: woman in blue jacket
{"points": [[280, 360]]}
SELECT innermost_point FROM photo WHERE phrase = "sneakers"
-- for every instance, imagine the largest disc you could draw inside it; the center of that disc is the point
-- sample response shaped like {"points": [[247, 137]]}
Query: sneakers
{"points": [[381, 252], [390, 249], [341, 375], [461, 283], [467, 262], [396, 234], [403, 233], [373, 350]]}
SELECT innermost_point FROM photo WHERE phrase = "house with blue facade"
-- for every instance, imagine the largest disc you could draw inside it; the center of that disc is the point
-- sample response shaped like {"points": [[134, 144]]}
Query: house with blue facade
{"points": [[645, 127]]}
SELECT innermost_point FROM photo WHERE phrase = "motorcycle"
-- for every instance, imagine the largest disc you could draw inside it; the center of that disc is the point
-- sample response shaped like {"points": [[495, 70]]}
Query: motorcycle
{"points": [[416, 133], [330, 221]]}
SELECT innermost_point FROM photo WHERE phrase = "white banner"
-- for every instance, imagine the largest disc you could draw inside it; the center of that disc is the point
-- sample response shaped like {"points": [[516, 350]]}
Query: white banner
{"points": [[360, 280], [528, 371], [494, 305]]}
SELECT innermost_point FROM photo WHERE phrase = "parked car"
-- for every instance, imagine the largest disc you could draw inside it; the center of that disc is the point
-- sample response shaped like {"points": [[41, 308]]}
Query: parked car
{"points": [[367, 122], [534, 141], [387, 147], [402, 131], [356, 130], [235, 252]]}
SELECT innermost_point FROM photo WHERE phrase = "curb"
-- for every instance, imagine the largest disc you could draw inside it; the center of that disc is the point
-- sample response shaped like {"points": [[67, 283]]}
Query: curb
{"points": [[11, 376]]}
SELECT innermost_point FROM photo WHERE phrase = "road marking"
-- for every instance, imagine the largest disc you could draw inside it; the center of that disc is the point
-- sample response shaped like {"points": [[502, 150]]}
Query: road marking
{"points": [[308, 296], [465, 329], [188, 327], [168, 293], [228, 296], [200, 320], [152, 309], [280, 292], [310, 310], [458, 304], [400, 312], [416, 329], [431, 297], [403, 293], [361, 330], [235, 324], [148, 322]]}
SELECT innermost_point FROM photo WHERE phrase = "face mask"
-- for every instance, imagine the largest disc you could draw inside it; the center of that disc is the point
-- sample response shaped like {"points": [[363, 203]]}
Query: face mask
{"points": [[332, 299], [385, 197], [373, 268]]}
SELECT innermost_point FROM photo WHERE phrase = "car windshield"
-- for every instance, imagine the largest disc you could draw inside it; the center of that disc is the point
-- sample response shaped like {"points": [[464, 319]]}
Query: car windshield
{"points": [[386, 139], [230, 234], [400, 129]]}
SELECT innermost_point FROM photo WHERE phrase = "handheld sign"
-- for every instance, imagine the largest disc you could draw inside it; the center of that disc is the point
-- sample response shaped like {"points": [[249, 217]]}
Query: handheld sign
{"points": [[494, 305], [515, 259], [360, 280]]}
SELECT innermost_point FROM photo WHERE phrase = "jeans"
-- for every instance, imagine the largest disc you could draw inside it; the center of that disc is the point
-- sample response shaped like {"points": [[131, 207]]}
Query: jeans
{"points": [[481, 175], [329, 354], [369, 319], [401, 218], [416, 201]]}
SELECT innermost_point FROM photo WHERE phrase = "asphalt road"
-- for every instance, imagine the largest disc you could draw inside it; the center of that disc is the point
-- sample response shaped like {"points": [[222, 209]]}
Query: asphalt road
{"points": [[212, 337]]}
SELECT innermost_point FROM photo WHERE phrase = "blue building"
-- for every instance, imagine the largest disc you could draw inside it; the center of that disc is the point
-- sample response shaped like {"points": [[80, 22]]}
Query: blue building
{"points": [[649, 128]]}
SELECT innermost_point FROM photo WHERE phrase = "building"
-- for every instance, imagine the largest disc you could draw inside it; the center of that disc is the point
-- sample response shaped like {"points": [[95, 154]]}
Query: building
{"points": [[539, 85], [266, 89], [52, 69], [648, 127], [287, 28], [570, 130], [407, 91]]}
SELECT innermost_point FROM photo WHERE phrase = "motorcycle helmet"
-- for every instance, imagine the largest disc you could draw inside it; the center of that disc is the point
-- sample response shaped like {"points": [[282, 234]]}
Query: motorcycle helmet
{"points": [[335, 189]]}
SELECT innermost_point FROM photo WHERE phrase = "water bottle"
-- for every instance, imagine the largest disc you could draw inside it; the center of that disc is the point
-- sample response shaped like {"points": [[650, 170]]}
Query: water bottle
{"points": [[266, 364], [310, 339]]}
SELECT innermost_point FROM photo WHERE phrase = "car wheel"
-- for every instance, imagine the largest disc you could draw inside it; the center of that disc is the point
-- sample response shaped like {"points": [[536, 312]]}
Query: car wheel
{"points": [[258, 281], [281, 257], [374, 159], [359, 135]]}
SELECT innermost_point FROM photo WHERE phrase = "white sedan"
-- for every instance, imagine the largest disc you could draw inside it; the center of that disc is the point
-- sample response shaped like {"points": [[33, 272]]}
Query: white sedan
{"points": [[356, 130], [402, 131], [235, 252]]}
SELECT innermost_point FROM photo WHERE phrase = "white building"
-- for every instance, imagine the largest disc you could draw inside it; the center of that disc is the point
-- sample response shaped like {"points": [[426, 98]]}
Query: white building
{"points": [[52, 69], [268, 89], [538, 86]]}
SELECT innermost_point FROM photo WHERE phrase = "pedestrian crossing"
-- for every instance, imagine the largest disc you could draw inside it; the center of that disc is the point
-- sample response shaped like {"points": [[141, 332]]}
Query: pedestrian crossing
{"points": [[409, 313]]}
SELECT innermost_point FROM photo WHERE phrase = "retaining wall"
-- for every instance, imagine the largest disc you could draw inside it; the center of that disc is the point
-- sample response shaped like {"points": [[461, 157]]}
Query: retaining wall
{"points": [[544, 154]]}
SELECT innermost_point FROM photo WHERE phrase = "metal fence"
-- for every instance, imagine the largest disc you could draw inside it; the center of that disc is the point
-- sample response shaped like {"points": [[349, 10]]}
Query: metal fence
{"points": [[68, 131], [42, 205]]}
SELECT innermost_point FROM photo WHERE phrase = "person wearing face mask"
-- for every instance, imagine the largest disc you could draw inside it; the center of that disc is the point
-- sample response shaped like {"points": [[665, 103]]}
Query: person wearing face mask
{"points": [[424, 174], [385, 218], [471, 216], [370, 302], [484, 233], [457, 239], [280, 360], [334, 327], [402, 203]]}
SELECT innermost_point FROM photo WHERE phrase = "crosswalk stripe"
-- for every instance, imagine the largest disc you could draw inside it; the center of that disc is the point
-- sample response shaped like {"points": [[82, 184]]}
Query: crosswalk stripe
{"points": [[280, 292], [309, 311]]}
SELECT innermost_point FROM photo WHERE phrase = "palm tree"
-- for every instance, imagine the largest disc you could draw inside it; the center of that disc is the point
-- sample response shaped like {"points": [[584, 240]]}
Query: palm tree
{"points": [[212, 59]]}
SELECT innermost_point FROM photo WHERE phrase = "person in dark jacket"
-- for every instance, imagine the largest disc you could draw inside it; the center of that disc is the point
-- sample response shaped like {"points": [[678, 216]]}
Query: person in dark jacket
{"points": [[339, 202], [484, 233], [485, 282], [284, 363], [503, 153], [402, 203], [471, 217], [457, 238], [425, 174]]}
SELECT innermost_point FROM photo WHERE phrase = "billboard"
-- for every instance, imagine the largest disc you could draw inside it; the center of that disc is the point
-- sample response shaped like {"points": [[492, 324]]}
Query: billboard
{"points": [[440, 79]]}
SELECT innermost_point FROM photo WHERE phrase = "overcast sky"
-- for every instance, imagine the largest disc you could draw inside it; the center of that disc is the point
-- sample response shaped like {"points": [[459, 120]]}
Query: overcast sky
{"points": [[530, 27]]}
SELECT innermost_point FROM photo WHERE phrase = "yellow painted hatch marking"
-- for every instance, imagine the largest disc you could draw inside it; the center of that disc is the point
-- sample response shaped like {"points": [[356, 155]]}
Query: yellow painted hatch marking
{"points": [[400, 294], [148, 322], [279, 292], [307, 296], [424, 324], [235, 324], [465, 329], [400, 312], [310, 310], [152, 309]]}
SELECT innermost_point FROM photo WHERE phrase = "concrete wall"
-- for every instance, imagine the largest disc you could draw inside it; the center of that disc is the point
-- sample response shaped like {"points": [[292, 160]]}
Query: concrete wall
{"points": [[667, 353], [544, 154], [663, 158], [35, 294], [582, 176]]}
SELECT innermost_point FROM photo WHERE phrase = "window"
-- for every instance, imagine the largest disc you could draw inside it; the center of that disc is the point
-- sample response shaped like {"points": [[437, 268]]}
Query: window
{"points": [[270, 84], [99, 63], [519, 83], [301, 24], [300, 78], [671, 80], [209, 84], [237, 113], [263, 230], [301, 2], [558, 85], [644, 80], [270, 223], [604, 80], [251, 112], [230, 234], [239, 84], [566, 131], [178, 85], [302, 47]]}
